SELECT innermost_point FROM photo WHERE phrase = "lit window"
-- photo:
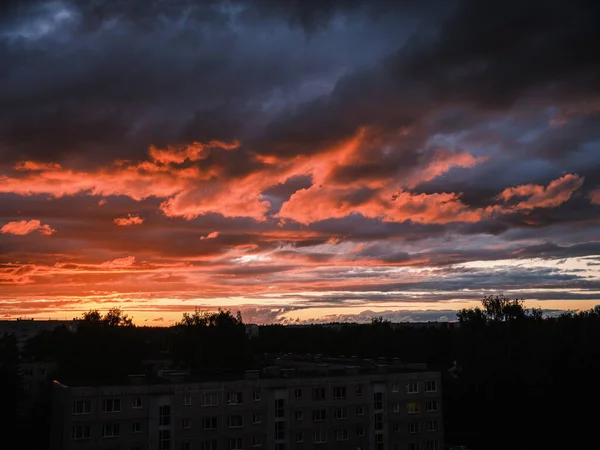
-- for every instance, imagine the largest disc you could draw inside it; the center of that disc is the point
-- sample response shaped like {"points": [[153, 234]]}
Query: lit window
{"points": [[412, 407]]}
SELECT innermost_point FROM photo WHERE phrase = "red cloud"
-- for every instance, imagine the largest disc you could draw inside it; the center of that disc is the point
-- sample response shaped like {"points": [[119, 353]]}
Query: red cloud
{"points": [[128, 221], [595, 196], [25, 227], [212, 235], [119, 263], [555, 194], [193, 152]]}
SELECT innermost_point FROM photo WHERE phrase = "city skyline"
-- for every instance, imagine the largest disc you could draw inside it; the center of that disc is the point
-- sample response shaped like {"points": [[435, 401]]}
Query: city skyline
{"points": [[312, 161]]}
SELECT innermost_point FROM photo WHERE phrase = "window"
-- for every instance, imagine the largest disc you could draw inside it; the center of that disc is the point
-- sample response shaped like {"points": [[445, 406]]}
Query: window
{"points": [[395, 387], [187, 400], [164, 440], [186, 445], [82, 407], [341, 435], [256, 418], [320, 437], [396, 427], [379, 421], [164, 415], [339, 392], [280, 446], [257, 397], [340, 413], [412, 407], [110, 430], [279, 408], [360, 430], [299, 415], [414, 427], [431, 386], [412, 387], [136, 427], [279, 431], [360, 411], [137, 402], [256, 441], [111, 405], [359, 389], [80, 432], [210, 399], [318, 415], [186, 423], [209, 423], [396, 407], [235, 444], [299, 437], [431, 405], [432, 425], [318, 394], [432, 445], [414, 446], [378, 400], [297, 393], [234, 398], [209, 445], [235, 421]]}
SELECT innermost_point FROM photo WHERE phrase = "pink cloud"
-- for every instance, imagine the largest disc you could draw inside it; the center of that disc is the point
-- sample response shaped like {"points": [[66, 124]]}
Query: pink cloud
{"points": [[555, 194], [119, 263], [595, 196], [131, 219], [102, 202], [25, 227], [212, 235]]}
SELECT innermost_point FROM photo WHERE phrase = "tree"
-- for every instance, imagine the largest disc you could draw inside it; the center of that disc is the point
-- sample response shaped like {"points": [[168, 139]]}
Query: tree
{"points": [[501, 309], [113, 318]]}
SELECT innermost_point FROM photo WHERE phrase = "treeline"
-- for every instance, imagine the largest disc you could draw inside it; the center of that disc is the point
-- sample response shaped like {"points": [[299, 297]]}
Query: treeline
{"points": [[513, 379]]}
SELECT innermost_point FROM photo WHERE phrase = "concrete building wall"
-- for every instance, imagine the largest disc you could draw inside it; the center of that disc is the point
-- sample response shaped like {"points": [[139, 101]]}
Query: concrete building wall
{"points": [[272, 414]]}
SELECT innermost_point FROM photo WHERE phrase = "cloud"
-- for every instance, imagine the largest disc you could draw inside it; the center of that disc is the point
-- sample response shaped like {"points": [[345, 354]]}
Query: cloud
{"points": [[24, 227], [119, 263], [595, 196], [102, 202], [131, 219], [556, 193], [211, 235]]}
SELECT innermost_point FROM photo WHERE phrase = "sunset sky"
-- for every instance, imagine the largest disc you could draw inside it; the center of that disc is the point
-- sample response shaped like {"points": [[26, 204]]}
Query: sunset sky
{"points": [[299, 161]]}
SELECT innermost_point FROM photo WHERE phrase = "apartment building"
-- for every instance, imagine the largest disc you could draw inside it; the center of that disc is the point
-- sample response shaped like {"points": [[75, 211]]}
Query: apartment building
{"points": [[381, 408]]}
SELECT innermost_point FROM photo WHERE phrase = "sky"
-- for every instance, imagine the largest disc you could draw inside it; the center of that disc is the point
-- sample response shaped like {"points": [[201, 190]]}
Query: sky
{"points": [[298, 161]]}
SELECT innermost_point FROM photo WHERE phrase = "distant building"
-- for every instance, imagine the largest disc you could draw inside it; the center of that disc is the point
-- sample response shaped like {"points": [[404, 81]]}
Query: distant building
{"points": [[25, 329], [298, 405]]}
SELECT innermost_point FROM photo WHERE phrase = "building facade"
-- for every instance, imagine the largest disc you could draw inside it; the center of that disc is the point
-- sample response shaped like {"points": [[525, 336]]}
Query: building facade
{"points": [[380, 411]]}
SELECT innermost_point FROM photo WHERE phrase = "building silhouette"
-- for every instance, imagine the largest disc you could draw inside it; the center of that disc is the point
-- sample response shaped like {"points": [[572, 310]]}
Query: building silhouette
{"points": [[299, 404]]}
